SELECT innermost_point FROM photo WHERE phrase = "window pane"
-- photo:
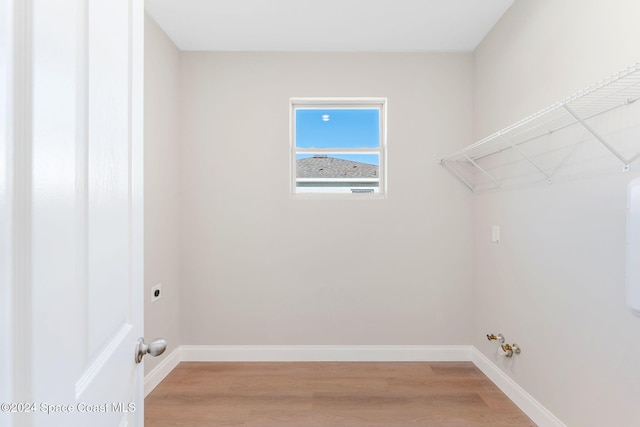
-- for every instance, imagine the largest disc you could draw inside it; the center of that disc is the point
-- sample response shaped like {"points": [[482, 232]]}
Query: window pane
{"points": [[341, 128], [337, 165], [337, 173]]}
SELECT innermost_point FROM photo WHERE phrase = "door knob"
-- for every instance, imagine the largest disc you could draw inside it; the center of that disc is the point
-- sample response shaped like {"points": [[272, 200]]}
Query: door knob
{"points": [[154, 348]]}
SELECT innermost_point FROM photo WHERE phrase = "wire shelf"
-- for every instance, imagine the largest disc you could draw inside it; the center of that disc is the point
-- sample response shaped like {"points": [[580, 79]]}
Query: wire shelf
{"points": [[476, 164]]}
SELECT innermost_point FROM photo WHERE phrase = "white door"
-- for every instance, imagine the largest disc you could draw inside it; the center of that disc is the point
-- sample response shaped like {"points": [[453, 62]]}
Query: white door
{"points": [[72, 210]]}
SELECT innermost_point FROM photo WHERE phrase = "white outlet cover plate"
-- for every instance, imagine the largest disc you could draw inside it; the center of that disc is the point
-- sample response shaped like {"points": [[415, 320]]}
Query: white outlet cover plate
{"points": [[495, 234]]}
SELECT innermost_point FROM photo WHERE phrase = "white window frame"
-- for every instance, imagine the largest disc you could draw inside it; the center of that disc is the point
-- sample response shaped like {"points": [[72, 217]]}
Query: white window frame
{"points": [[337, 104]]}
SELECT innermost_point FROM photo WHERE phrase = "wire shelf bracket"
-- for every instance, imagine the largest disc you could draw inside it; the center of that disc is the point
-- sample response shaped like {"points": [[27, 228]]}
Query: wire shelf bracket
{"points": [[625, 162], [528, 159], [457, 174], [498, 186]]}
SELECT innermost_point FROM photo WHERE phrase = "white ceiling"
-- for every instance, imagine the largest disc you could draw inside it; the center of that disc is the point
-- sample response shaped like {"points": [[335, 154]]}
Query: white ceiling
{"points": [[327, 25]]}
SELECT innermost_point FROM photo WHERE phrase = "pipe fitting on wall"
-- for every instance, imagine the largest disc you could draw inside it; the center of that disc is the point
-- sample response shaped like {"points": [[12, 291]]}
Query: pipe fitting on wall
{"points": [[507, 350], [493, 337]]}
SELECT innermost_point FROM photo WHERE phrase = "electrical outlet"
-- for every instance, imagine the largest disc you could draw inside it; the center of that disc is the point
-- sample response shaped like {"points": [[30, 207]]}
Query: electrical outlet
{"points": [[156, 292]]}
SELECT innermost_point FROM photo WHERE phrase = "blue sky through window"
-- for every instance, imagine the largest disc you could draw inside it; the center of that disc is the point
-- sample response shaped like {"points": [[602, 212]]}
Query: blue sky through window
{"points": [[339, 128]]}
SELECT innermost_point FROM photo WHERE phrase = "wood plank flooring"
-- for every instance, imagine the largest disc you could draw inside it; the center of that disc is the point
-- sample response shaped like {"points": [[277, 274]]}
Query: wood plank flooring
{"points": [[323, 394]]}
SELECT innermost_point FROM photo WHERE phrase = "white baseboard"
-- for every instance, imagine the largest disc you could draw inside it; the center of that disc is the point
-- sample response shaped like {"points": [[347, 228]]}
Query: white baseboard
{"points": [[326, 353], [359, 353], [527, 404], [160, 372]]}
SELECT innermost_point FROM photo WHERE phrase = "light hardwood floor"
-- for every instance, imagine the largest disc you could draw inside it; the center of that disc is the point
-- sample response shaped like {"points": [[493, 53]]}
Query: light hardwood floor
{"points": [[329, 394]]}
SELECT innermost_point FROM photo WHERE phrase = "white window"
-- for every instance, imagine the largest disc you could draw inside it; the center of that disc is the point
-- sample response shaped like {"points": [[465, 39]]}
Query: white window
{"points": [[338, 147]]}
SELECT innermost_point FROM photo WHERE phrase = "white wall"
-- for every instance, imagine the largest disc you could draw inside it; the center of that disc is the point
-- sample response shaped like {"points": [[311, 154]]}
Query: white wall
{"points": [[555, 283], [162, 188], [262, 268]]}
